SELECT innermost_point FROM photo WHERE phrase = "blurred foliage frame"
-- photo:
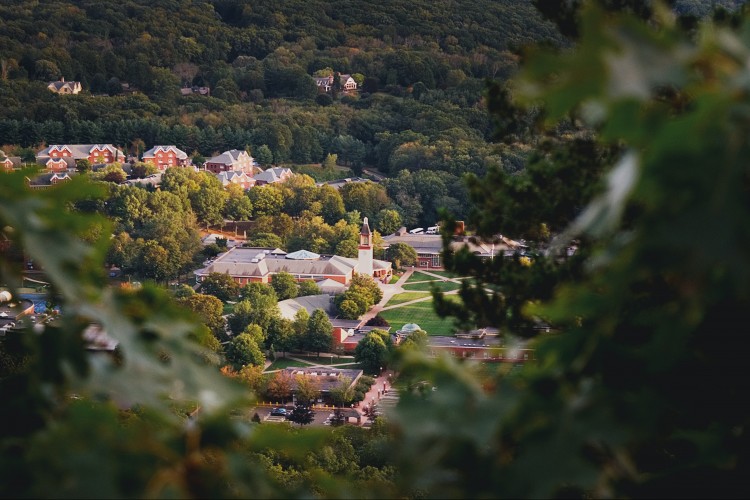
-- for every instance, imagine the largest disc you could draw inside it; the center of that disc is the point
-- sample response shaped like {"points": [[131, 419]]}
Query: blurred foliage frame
{"points": [[642, 394]]}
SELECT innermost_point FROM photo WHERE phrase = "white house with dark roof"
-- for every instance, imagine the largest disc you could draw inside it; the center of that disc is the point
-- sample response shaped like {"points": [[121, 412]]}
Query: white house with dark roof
{"points": [[63, 87], [163, 157], [325, 83], [347, 82]]}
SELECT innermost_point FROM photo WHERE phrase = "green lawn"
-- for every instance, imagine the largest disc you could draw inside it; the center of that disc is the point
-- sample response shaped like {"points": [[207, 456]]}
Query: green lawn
{"points": [[228, 309], [282, 363], [394, 279], [419, 276], [444, 274], [421, 313], [406, 297], [445, 286]]}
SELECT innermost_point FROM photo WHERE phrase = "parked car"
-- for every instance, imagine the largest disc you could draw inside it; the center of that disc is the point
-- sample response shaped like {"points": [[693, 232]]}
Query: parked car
{"points": [[279, 412]]}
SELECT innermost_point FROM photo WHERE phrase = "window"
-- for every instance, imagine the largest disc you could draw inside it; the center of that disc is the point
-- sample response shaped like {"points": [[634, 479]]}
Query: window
{"points": [[424, 263]]}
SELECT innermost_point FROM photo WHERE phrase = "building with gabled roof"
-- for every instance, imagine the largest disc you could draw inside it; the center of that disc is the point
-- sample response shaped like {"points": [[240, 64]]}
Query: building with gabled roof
{"points": [[55, 155], [9, 162], [257, 265], [63, 87], [232, 177], [272, 175], [237, 160], [163, 157], [48, 179]]}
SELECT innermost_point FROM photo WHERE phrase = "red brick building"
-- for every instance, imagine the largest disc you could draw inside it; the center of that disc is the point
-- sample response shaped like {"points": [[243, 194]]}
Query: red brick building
{"points": [[54, 155], [163, 157]]}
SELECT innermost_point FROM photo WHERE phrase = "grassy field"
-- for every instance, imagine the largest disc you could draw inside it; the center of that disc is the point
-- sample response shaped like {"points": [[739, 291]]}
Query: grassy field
{"points": [[394, 279], [418, 276], [406, 297], [444, 274], [282, 363], [228, 309], [445, 286], [421, 313]]}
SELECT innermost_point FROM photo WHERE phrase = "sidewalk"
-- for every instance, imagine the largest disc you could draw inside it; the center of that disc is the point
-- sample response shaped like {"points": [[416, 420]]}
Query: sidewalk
{"points": [[381, 386], [388, 292]]}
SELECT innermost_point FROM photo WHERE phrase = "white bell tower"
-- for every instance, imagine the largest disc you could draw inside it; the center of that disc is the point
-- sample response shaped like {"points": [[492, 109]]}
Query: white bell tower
{"points": [[365, 250]]}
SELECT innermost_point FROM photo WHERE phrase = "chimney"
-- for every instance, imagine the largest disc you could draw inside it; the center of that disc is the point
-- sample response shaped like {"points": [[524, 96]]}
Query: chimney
{"points": [[62, 79]]}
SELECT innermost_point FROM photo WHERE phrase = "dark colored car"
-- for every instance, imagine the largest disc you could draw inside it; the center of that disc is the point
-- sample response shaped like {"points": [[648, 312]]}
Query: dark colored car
{"points": [[279, 412]]}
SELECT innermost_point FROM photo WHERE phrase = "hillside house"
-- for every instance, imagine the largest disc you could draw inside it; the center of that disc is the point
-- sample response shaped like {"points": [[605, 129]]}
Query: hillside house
{"points": [[59, 157], [240, 178], [347, 82], [272, 175], [63, 87], [163, 157], [236, 160], [9, 162], [325, 83], [195, 90]]}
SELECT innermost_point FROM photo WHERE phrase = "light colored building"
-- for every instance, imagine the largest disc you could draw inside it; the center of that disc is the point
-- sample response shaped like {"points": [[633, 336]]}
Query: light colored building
{"points": [[272, 175], [63, 87], [258, 265], [235, 160], [240, 178]]}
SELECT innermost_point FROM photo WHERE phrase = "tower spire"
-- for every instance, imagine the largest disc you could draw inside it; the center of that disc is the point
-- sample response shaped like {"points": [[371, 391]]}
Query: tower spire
{"points": [[365, 249]]}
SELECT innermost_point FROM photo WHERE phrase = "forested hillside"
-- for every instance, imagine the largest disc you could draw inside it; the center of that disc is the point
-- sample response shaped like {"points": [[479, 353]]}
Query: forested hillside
{"points": [[421, 67]]}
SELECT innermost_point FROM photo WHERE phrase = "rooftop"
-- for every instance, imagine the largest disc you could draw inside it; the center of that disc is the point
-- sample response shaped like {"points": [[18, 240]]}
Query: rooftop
{"points": [[327, 378]]}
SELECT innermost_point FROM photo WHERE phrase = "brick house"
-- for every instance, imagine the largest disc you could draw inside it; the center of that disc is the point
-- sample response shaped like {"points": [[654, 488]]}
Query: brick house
{"points": [[163, 157], [9, 162], [95, 153]]}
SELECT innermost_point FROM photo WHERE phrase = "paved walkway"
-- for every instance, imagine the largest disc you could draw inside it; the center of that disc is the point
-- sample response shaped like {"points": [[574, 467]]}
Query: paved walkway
{"points": [[389, 290], [379, 389], [398, 288]]}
